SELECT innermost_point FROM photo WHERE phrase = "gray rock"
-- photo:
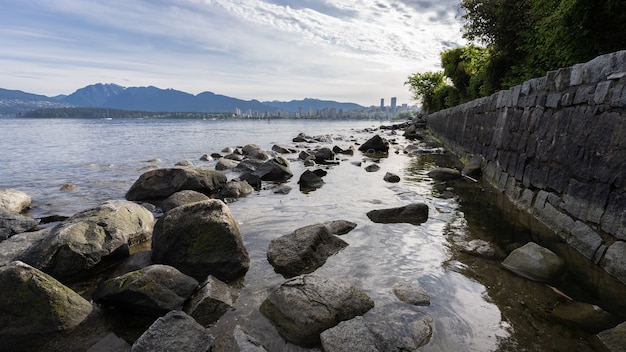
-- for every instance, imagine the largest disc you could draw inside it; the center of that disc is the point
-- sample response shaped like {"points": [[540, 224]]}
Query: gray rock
{"points": [[155, 289], [181, 198], [12, 223], [18, 244], [473, 167], [589, 317], [372, 168], [309, 181], [415, 213], [323, 155], [201, 239], [391, 177], [176, 331], [444, 174], [390, 328], [304, 250], [226, 164], [339, 227], [85, 239], [184, 163], [283, 150], [304, 306], [255, 152], [35, 307], [282, 189], [110, 343], [276, 169], [238, 341], [613, 340], [136, 261], [483, 248], [614, 261], [206, 157], [376, 144], [411, 294], [535, 263], [162, 183], [236, 189], [13, 200], [348, 151], [248, 165], [210, 301]]}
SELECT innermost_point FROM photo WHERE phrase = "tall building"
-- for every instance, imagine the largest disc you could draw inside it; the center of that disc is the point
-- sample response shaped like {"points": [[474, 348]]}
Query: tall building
{"points": [[382, 103], [393, 104]]}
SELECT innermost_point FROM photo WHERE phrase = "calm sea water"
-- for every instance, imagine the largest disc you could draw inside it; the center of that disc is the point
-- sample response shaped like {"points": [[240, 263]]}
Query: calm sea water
{"points": [[103, 158]]}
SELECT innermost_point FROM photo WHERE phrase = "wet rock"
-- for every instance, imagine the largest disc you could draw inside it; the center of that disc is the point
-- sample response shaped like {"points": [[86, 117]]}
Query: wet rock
{"points": [[184, 163], [13, 200], [237, 341], [276, 169], [323, 155], [372, 168], [36, 307], [206, 157], [255, 152], [304, 250], [535, 263], [283, 150], [282, 189], [339, 150], [390, 328], [84, 240], [226, 164], [472, 167], [376, 144], [391, 177], [162, 183], [155, 289], [483, 249], [183, 197], [176, 331], [110, 343], [444, 174], [253, 180], [136, 261], [613, 340], [236, 189], [201, 239], [18, 244], [415, 214], [304, 306], [210, 301], [12, 223], [248, 165], [67, 187], [411, 294], [301, 137], [309, 180], [339, 227], [589, 317]]}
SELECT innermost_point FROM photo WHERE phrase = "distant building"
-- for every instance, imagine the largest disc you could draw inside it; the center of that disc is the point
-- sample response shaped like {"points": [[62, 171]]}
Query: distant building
{"points": [[393, 104], [382, 104]]}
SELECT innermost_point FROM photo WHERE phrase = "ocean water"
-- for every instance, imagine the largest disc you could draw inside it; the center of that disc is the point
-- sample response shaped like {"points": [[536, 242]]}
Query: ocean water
{"points": [[102, 158]]}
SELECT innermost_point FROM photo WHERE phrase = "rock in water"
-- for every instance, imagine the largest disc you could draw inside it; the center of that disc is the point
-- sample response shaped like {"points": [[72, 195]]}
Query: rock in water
{"points": [[35, 307], [181, 198], [376, 144], [535, 262], [444, 174], [304, 306], [415, 213], [161, 183], [12, 223], [201, 239], [13, 200], [176, 331], [210, 301]]}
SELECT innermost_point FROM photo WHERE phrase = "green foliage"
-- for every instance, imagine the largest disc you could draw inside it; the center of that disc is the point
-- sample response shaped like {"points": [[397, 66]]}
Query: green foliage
{"points": [[464, 66], [423, 86]]}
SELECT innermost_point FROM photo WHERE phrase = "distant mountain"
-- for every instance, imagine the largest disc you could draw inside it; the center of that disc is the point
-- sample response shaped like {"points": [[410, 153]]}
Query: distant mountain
{"points": [[153, 99], [13, 102], [314, 104]]}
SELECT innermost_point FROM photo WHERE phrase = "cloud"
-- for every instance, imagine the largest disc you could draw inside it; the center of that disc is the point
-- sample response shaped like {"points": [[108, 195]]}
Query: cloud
{"points": [[357, 50]]}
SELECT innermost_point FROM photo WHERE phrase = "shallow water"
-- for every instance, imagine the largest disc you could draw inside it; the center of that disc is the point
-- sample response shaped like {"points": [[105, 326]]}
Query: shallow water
{"points": [[103, 159]]}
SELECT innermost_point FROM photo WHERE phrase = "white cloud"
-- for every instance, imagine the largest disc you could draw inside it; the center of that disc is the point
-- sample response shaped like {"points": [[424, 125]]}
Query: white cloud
{"points": [[344, 50]]}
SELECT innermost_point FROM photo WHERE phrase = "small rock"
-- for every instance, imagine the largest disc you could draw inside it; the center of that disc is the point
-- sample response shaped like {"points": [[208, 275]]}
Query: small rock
{"points": [[483, 248], [176, 331], [184, 163], [411, 294], [67, 187], [535, 263], [391, 177], [444, 174], [372, 168], [13, 200]]}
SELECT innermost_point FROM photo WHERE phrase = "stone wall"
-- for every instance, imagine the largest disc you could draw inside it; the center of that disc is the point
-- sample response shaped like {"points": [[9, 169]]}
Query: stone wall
{"points": [[555, 147]]}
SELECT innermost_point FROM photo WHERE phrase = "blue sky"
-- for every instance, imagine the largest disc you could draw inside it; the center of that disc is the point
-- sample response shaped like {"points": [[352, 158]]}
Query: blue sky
{"points": [[357, 51]]}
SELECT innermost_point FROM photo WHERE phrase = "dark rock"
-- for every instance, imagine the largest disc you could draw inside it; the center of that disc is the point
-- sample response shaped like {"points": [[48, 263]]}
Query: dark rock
{"points": [[282, 189], [13, 223], [155, 289], [136, 261], [589, 317], [304, 250], [411, 294], [323, 155], [276, 169], [200, 239], [13, 200], [309, 181], [18, 244], [376, 144], [415, 213], [301, 137], [212, 299], [613, 340], [236, 189], [473, 167], [176, 331], [339, 150], [226, 164], [535, 262], [162, 183], [444, 174], [391, 177], [237, 341], [181, 198], [110, 343], [484, 249], [304, 306], [372, 168], [283, 150], [36, 308], [248, 165], [84, 240], [252, 179]]}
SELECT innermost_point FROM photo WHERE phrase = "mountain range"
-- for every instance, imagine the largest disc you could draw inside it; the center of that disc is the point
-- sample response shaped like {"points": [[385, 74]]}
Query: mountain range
{"points": [[113, 96]]}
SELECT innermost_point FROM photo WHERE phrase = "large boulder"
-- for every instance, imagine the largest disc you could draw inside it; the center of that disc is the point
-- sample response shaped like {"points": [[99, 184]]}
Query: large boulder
{"points": [[304, 306], [444, 174], [376, 144], [535, 262], [161, 183], [36, 308], [304, 250], [385, 329], [88, 237], [201, 239], [155, 289], [236, 189], [613, 340], [237, 341], [18, 244], [12, 223], [13, 200], [276, 169], [210, 301], [586, 316], [310, 180], [176, 331], [415, 213], [183, 197]]}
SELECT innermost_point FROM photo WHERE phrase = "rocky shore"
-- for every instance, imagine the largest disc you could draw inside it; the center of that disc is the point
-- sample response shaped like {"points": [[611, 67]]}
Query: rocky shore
{"points": [[170, 258]]}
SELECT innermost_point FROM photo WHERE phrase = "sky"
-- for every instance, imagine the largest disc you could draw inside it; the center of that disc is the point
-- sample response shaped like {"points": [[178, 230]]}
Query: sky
{"points": [[349, 51]]}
